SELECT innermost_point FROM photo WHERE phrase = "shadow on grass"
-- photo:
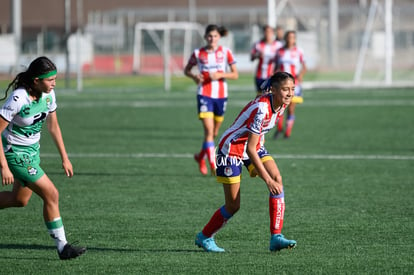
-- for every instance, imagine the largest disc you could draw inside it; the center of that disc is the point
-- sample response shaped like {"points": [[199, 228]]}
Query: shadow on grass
{"points": [[27, 247], [92, 248], [108, 249], [139, 174]]}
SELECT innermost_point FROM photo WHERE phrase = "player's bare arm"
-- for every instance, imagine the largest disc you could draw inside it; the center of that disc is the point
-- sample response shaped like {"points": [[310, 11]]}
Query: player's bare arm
{"points": [[55, 132], [302, 72], [273, 186], [197, 78], [6, 174], [233, 74]]}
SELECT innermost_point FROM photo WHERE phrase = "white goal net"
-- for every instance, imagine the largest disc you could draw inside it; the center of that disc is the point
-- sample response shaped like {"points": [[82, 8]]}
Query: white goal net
{"points": [[164, 47]]}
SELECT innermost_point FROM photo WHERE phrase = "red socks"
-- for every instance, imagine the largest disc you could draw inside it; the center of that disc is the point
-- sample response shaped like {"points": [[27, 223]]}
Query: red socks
{"points": [[280, 124], [276, 213], [217, 221], [211, 155], [289, 125]]}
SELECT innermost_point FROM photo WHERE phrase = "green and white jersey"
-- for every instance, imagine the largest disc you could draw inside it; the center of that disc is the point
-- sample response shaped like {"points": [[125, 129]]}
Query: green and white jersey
{"points": [[26, 117]]}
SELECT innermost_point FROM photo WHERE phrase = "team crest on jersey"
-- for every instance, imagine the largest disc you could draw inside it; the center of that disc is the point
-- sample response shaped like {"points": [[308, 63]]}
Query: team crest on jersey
{"points": [[31, 170], [48, 102], [15, 98], [228, 171]]}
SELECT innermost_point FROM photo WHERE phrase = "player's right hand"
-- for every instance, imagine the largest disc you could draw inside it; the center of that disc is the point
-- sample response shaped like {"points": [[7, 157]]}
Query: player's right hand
{"points": [[198, 79], [275, 188], [7, 176]]}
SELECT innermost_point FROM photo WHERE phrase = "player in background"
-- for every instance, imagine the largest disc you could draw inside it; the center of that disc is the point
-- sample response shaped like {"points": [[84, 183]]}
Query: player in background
{"points": [[265, 51], [31, 104], [290, 59], [212, 61], [280, 32], [243, 144]]}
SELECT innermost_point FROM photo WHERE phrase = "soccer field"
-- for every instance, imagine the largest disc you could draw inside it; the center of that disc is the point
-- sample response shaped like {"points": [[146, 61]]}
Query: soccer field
{"points": [[137, 199]]}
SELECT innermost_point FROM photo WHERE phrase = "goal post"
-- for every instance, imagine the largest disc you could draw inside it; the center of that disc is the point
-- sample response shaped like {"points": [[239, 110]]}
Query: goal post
{"points": [[386, 35], [153, 52]]}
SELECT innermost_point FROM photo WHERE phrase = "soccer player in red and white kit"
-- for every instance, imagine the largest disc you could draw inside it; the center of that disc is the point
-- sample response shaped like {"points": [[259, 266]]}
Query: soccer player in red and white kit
{"points": [[290, 59], [243, 144], [265, 51], [213, 61]]}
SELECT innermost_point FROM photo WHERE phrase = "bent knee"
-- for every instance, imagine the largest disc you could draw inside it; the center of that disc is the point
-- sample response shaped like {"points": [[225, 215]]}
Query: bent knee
{"points": [[18, 200], [52, 195], [21, 202], [233, 208], [278, 178]]}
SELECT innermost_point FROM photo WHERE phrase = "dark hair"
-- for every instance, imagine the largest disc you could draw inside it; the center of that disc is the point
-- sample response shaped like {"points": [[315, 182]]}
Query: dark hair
{"points": [[265, 27], [40, 66], [287, 34], [275, 81], [280, 77], [220, 29]]}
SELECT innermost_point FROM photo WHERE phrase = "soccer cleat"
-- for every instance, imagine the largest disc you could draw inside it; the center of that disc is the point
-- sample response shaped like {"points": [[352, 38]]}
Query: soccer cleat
{"points": [[201, 164], [279, 242], [69, 252], [208, 244]]}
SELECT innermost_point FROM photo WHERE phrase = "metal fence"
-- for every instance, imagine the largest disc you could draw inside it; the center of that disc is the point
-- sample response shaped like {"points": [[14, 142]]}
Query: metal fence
{"points": [[335, 54], [314, 35]]}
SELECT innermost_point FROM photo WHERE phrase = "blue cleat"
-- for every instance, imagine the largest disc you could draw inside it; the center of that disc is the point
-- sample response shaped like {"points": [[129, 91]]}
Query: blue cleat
{"points": [[208, 244], [279, 242]]}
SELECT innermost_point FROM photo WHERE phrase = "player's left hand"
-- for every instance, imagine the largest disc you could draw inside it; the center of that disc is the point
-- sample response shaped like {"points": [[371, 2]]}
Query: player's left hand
{"points": [[67, 166], [216, 76]]}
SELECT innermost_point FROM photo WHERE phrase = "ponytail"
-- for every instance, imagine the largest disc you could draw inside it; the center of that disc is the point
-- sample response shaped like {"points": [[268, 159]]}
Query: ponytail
{"points": [[223, 31], [18, 81], [40, 68]]}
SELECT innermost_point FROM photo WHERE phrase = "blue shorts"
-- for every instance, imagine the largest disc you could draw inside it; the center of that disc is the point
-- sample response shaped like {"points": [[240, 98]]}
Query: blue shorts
{"points": [[211, 107], [229, 168]]}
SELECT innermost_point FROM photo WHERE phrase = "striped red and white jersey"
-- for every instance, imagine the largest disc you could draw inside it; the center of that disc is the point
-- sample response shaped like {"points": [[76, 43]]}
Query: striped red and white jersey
{"points": [[266, 53], [211, 62], [289, 60], [257, 117]]}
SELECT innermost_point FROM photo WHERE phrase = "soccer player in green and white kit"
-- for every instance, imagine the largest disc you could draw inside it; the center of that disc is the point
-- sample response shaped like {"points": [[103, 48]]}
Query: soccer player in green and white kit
{"points": [[21, 118]]}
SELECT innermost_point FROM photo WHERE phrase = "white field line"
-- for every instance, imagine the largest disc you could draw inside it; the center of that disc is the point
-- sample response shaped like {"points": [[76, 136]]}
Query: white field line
{"points": [[186, 156], [241, 103]]}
